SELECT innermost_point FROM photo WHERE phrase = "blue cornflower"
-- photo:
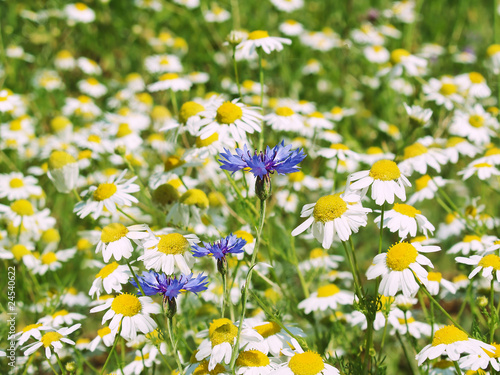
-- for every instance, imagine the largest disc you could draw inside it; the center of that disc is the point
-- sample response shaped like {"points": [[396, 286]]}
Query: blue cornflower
{"points": [[219, 249], [170, 287], [278, 159]]}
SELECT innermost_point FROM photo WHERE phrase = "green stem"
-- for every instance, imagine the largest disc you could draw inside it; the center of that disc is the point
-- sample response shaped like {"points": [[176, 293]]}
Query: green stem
{"points": [[112, 350], [77, 196], [174, 344], [127, 215], [224, 294], [457, 367], [19, 229], [63, 370], [235, 13], [411, 363], [493, 316], [261, 76], [235, 65], [354, 275], [52, 367], [244, 295]]}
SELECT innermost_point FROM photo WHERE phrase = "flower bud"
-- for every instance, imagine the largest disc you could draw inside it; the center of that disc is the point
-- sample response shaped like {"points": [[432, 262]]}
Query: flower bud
{"points": [[63, 171], [482, 301], [222, 266], [235, 37], [263, 187], [170, 307]]}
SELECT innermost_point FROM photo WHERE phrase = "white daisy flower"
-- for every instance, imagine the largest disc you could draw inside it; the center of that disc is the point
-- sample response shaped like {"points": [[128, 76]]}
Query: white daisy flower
{"points": [[404, 61], [399, 267], [64, 60], [332, 217], [475, 124], [116, 240], [104, 335], [88, 66], [21, 252], [418, 115], [339, 151], [216, 14], [453, 225], [61, 317], [275, 337], [52, 261], [405, 219], [484, 171], [493, 53], [79, 12], [456, 146], [403, 322], [141, 362], [284, 119], [338, 113], [475, 362], [238, 118], [326, 297], [221, 339], [292, 28], [15, 185], [452, 342], [385, 179], [109, 194], [317, 120], [261, 38], [82, 106], [253, 362], [435, 280], [488, 264], [190, 4], [92, 87], [426, 188], [131, 312], [299, 362], [110, 277], [377, 54], [63, 171], [443, 92], [52, 339], [474, 84], [21, 211], [472, 243], [163, 64], [417, 157], [165, 252], [171, 81], [318, 258], [288, 5], [31, 330], [189, 208]]}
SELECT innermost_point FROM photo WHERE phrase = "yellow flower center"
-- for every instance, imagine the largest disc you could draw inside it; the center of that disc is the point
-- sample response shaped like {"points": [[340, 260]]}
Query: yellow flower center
{"points": [[496, 353], [258, 34], [398, 54], [339, 146], [84, 99], [85, 154], [208, 141], [173, 162], [49, 338], [51, 235], [126, 304], [482, 165], [406, 209], [307, 363], [490, 260], [471, 237], [202, 369], [83, 244], [422, 182], [296, 176], [492, 151], [400, 256], [49, 258], [165, 194], [195, 197], [104, 191], [328, 208], [448, 335], [104, 331], [228, 113], [189, 109], [459, 278], [252, 358], [443, 364], [244, 235], [81, 6], [268, 329], [414, 150], [434, 276], [168, 76], [316, 115], [113, 232], [453, 141], [316, 253], [59, 159], [493, 49], [216, 199], [19, 251], [123, 130], [222, 330], [284, 111], [22, 207], [15, 125], [476, 121], [60, 313], [448, 89], [374, 150], [385, 170], [173, 243], [328, 290], [107, 270], [411, 319], [476, 77], [94, 138], [31, 326], [16, 183]]}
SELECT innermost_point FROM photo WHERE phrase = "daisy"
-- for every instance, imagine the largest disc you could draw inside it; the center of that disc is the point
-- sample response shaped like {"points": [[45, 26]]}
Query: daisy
{"points": [[456, 146], [189, 208], [92, 87], [109, 194], [20, 253], [491, 156], [426, 188], [64, 60], [338, 151], [317, 120], [404, 322], [493, 53], [116, 240], [404, 61], [275, 337], [418, 115], [238, 118], [284, 118], [221, 339], [376, 54], [405, 219], [326, 297], [417, 157], [163, 64], [110, 277], [474, 84], [288, 5], [79, 12], [16, 186], [435, 280], [52, 339], [484, 171], [52, 261], [166, 251], [89, 66], [318, 258], [31, 330], [21, 211], [261, 39], [472, 242], [292, 28], [443, 92], [130, 313], [63, 171], [475, 124], [332, 217], [452, 342], [170, 81], [385, 179], [216, 14], [453, 225], [104, 335], [337, 113], [61, 317], [299, 362], [487, 264], [141, 362], [82, 106], [476, 361], [253, 362], [399, 267]]}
